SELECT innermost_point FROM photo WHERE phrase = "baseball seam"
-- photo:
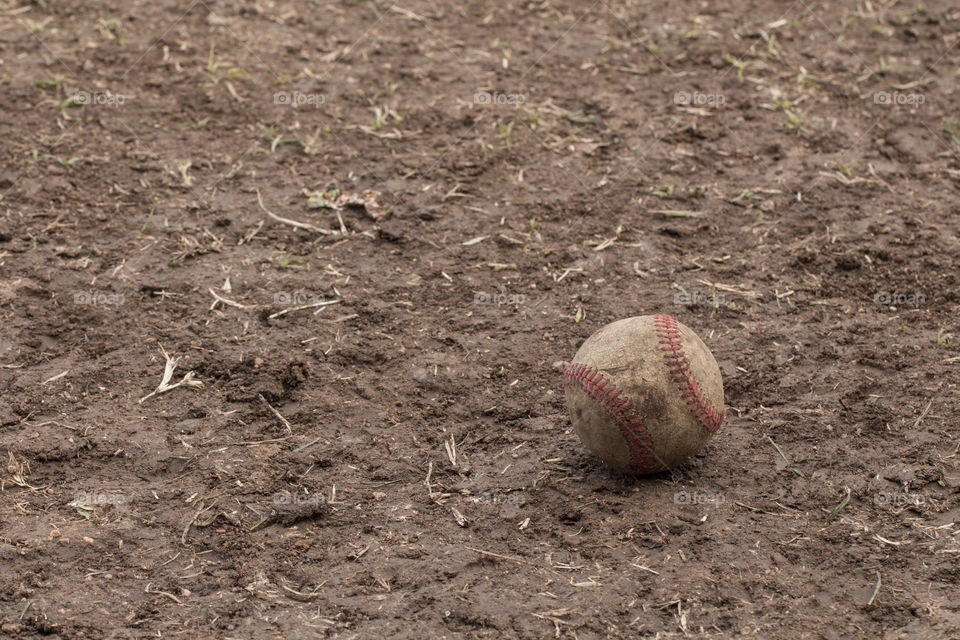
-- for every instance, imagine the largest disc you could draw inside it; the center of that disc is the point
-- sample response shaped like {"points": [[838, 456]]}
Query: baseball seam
{"points": [[619, 409], [668, 334]]}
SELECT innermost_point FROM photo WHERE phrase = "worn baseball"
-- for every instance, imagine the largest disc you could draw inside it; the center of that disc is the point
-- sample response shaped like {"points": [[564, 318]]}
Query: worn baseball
{"points": [[644, 394]]}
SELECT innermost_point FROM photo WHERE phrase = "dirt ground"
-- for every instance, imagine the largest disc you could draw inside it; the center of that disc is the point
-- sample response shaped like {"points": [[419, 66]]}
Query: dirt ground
{"points": [[370, 235]]}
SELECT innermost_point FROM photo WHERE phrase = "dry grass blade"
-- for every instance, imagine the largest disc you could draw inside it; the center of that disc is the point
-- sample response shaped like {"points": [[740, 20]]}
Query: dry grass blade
{"points": [[567, 272], [839, 507], [645, 568], [605, 244], [876, 590], [55, 378], [301, 307], [500, 556], [17, 472], [292, 223], [785, 458], [409, 14], [923, 414], [168, 368], [500, 266], [739, 289], [451, 448], [678, 213]]}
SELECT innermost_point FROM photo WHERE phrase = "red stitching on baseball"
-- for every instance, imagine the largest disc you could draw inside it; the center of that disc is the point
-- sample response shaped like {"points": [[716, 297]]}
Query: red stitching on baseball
{"points": [[668, 333], [603, 391]]}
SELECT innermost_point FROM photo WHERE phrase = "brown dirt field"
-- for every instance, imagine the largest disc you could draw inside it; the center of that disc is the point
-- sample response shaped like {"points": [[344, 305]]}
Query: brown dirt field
{"points": [[784, 178]]}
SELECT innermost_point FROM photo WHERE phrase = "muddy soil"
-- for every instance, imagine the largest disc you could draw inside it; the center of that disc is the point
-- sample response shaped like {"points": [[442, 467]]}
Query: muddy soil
{"points": [[369, 235]]}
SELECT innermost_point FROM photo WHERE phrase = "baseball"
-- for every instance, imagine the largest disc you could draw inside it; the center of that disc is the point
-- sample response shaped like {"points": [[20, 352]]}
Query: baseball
{"points": [[644, 394]]}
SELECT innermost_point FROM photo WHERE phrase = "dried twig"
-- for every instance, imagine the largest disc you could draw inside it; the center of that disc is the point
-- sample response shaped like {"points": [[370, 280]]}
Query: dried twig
{"points": [[219, 298], [437, 496], [873, 172], [251, 234], [186, 529], [163, 593], [459, 517], [17, 472], [285, 422], [923, 414], [552, 617], [168, 368], [301, 596]]}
